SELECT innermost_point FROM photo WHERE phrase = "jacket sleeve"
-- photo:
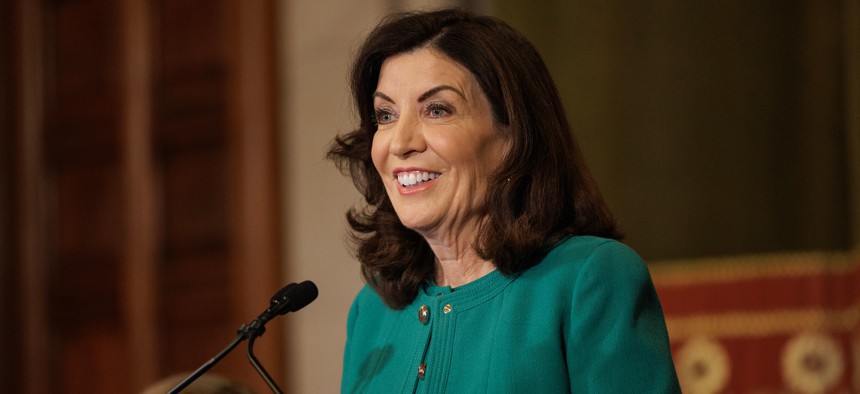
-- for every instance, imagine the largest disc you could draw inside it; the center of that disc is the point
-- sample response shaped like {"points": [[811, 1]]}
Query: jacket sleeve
{"points": [[616, 337], [346, 374]]}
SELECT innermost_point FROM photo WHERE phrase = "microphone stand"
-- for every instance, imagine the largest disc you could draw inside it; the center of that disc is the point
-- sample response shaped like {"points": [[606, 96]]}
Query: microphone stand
{"points": [[209, 364], [289, 299], [245, 332], [259, 367]]}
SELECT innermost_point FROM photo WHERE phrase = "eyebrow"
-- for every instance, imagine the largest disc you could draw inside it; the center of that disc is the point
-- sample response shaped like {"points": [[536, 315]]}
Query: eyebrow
{"points": [[438, 89], [425, 95]]}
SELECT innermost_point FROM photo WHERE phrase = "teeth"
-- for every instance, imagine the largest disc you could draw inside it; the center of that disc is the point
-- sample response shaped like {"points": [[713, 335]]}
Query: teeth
{"points": [[409, 179]]}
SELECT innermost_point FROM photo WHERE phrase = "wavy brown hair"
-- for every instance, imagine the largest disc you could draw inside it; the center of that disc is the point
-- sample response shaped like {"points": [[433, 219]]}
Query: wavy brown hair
{"points": [[540, 194]]}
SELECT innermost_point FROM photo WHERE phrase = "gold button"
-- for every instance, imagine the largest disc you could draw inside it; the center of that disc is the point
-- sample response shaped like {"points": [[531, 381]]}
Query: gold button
{"points": [[447, 308], [424, 314], [422, 370]]}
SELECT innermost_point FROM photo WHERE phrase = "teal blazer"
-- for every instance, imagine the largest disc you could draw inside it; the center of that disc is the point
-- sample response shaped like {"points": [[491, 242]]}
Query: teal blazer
{"points": [[585, 320]]}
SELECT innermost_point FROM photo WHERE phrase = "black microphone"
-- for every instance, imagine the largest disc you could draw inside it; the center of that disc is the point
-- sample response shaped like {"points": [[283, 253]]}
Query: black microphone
{"points": [[295, 297], [290, 298]]}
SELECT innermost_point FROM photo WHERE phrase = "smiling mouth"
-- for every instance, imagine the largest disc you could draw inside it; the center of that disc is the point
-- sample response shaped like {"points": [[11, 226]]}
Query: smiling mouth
{"points": [[415, 178]]}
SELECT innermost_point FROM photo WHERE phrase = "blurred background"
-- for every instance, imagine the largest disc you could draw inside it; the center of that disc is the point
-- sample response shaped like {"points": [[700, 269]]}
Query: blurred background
{"points": [[162, 174]]}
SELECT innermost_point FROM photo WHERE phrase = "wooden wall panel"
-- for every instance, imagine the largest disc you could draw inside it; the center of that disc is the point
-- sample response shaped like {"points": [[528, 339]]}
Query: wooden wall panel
{"points": [[130, 237], [195, 201], [83, 173], [87, 208], [190, 129], [95, 362], [83, 105], [10, 349]]}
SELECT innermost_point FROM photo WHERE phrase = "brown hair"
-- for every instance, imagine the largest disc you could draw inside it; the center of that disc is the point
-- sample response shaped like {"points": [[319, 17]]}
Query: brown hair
{"points": [[540, 194]]}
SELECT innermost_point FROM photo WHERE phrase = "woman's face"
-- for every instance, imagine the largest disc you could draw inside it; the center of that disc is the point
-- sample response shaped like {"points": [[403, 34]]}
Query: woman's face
{"points": [[436, 144]]}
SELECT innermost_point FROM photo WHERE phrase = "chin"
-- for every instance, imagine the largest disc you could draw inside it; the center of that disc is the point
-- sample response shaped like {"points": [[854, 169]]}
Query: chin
{"points": [[410, 224], [415, 224]]}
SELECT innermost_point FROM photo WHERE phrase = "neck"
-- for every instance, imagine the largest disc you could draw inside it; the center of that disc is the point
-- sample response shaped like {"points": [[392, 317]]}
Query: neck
{"points": [[456, 261], [460, 269]]}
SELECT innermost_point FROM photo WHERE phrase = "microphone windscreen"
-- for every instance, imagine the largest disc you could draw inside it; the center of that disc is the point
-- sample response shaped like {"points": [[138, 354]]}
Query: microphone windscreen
{"points": [[282, 294], [302, 294]]}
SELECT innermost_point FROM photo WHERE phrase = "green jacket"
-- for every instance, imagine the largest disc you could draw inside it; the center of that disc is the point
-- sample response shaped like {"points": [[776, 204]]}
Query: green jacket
{"points": [[585, 320]]}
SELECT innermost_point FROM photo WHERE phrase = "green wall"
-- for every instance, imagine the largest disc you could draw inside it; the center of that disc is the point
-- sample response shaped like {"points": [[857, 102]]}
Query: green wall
{"points": [[712, 127]]}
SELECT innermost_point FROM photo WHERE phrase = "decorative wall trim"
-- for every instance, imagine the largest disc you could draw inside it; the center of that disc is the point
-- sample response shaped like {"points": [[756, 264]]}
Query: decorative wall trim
{"points": [[763, 324], [736, 268]]}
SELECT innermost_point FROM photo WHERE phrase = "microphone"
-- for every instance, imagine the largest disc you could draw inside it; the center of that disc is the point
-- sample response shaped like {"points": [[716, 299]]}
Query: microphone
{"points": [[295, 297], [290, 298]]}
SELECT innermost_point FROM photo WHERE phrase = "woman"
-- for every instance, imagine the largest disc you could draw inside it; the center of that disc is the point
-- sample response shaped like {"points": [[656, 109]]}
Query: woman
{"points": [[491, 259]]}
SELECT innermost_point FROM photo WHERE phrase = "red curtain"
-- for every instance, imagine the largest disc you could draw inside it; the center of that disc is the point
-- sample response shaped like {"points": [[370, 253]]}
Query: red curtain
{"points": [[777, 323]]}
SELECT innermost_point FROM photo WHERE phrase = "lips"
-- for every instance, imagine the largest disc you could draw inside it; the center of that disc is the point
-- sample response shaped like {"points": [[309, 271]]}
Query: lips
{"points": [[414, 178]]}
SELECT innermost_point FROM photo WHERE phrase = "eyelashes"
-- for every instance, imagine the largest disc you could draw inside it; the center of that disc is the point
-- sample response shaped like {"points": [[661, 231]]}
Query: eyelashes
{"points": [[437, 110], [432, 110], [383, 116]]}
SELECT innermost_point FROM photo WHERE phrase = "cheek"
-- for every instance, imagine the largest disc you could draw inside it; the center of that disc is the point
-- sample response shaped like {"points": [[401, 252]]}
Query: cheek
{"points": [[379, 151], [497, 151], [474, 150], [454, 146]]}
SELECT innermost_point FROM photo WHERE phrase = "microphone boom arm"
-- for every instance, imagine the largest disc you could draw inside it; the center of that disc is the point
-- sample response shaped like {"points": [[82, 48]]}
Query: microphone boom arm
{"points": [[209, 364], [290, 298]]}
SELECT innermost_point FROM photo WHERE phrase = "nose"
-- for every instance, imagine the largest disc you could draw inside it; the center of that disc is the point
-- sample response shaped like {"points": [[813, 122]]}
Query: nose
{"points": [[407, 138]]}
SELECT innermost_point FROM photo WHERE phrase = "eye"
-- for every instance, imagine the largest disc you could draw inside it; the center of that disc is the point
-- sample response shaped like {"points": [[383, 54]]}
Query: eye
{"points": [[437, 110], [384, 116]]}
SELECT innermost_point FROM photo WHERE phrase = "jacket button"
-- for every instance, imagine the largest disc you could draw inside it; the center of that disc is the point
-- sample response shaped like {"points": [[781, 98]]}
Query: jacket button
{"points": [[447, 308], [422, 370], [424, 314]]}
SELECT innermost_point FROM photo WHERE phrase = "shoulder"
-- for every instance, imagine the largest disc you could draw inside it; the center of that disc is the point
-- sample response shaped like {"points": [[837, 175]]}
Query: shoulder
{"points": [[589, 272], [368, 306], [367, 300], [613, 321], [580, 256], [590, 248], [366, 295]]}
